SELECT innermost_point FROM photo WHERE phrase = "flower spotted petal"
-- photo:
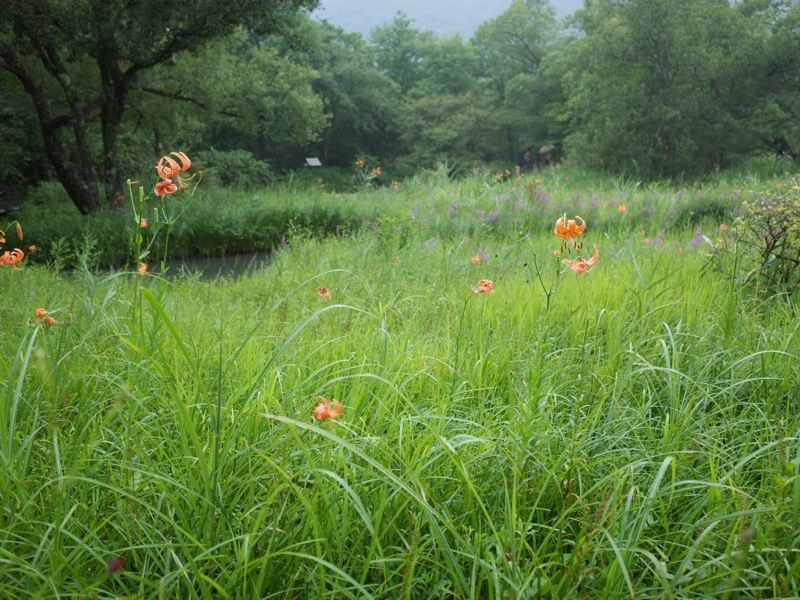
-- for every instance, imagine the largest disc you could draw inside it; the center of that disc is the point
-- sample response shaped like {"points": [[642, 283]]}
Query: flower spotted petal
{"points": [[326, 409], [580, 266]]}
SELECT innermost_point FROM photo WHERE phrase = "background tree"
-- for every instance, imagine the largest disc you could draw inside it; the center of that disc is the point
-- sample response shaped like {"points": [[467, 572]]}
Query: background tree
{"points": [[656, 86], [271, 113], [454, 128], [511, 49], [775, 67], [515, 42], [79, 60], [396, 48], [361, 102], [20, 145], [446, 66]]}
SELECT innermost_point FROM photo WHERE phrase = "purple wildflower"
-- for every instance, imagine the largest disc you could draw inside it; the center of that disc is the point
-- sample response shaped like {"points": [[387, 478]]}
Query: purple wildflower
{"points": [[117, 563], [542, 195]]}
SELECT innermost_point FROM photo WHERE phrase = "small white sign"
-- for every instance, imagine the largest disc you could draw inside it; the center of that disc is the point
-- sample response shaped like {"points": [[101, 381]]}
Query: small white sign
{"points": [[313, 162]]}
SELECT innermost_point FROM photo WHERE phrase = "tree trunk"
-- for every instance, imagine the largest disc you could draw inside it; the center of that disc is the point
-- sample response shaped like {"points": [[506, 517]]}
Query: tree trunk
{"points": [[83, 193], [114, 86]]}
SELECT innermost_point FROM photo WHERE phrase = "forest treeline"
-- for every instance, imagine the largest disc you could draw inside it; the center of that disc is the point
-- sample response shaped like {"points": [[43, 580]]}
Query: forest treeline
{"points": [[93, 91]]}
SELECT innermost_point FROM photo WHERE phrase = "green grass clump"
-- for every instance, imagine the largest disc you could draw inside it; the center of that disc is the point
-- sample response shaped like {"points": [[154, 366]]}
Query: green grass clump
{"points": [[628, 432]]}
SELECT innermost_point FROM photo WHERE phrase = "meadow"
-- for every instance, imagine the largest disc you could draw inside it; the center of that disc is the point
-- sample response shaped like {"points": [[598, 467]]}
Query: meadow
{"points": [[631, 431]]}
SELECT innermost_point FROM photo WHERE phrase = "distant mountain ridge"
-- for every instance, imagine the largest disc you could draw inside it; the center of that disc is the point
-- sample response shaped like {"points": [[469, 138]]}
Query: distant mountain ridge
{"points": [[443, 17]]}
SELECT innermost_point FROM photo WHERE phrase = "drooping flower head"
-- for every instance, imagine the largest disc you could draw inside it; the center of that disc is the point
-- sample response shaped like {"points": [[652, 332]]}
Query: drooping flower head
{"points": [[569, 229], [484, 287], [11, 258], [165, 187], [581, 266], [326, 409], [169, 167], [44, 316], [324, 293]]}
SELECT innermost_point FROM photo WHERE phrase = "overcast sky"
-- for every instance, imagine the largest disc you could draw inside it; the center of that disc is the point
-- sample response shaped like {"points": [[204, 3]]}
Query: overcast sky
{"points": [[444, 17]]}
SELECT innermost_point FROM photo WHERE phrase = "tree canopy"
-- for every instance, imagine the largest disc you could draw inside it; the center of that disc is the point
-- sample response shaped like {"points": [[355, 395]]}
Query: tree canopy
{"points": [[655, 88], [78, 61]]}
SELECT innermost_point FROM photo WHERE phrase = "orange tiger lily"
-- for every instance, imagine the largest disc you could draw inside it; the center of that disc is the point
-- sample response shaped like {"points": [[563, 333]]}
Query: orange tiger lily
{"points": [[484, 287], [324, 293], [167, 167], [165, 187], [581, 266], [43, 315], [569, 229], [12, 258], [326, 409]]}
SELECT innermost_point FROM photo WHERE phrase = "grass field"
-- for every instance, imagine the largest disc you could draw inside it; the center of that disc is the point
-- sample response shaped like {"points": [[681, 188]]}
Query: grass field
{"points": [[629, 432]]}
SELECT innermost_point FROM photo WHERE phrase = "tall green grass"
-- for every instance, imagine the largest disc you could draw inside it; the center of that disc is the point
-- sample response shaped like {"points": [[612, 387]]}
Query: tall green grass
{"points": [[631, 432]]}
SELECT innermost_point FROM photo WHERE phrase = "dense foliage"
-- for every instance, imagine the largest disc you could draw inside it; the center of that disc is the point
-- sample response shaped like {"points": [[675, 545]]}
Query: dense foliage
{"points": [[649, 88], [433, 407]]}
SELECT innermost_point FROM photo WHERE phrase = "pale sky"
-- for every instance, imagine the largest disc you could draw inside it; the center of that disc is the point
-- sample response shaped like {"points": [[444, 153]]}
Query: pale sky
{"points": [[444, 17]]}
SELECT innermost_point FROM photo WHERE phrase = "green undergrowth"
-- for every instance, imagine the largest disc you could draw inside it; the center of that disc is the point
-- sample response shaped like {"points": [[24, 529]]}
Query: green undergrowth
{"points": [[218, 222], [628, 432]]}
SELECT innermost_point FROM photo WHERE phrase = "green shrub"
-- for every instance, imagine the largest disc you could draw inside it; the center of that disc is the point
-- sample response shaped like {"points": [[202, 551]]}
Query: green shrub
{"points": [[770, 232], [235, 168]]}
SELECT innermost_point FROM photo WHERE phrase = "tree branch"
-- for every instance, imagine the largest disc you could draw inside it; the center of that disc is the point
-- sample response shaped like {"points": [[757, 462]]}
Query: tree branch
{"points": [[180, 97]]}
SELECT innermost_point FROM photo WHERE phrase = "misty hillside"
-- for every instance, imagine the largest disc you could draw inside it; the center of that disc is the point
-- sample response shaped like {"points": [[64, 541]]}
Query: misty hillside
{"points": [[443, 17]]}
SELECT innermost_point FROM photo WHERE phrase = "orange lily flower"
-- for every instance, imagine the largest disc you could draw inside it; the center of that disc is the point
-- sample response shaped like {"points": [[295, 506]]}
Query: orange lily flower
{"points": [[142, 223], [568, 230], [167, 167], [12, 258], [326, 409], [581, 266], [484, 287], [43, 315], [165, 187], [324, 293], [476, 259], [142, 270]]}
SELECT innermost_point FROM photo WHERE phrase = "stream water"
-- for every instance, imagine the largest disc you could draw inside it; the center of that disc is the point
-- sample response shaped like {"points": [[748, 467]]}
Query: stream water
{"points": [[222, 266]]}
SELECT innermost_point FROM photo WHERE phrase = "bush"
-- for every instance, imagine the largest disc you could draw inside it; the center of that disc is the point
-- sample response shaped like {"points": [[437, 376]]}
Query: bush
{"points": [[218, 222], [770, 231], [238, 169]]}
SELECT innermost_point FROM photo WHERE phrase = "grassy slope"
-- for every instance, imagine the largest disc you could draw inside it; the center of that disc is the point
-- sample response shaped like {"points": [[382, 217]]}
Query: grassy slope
{"points": [[636, 437]]}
